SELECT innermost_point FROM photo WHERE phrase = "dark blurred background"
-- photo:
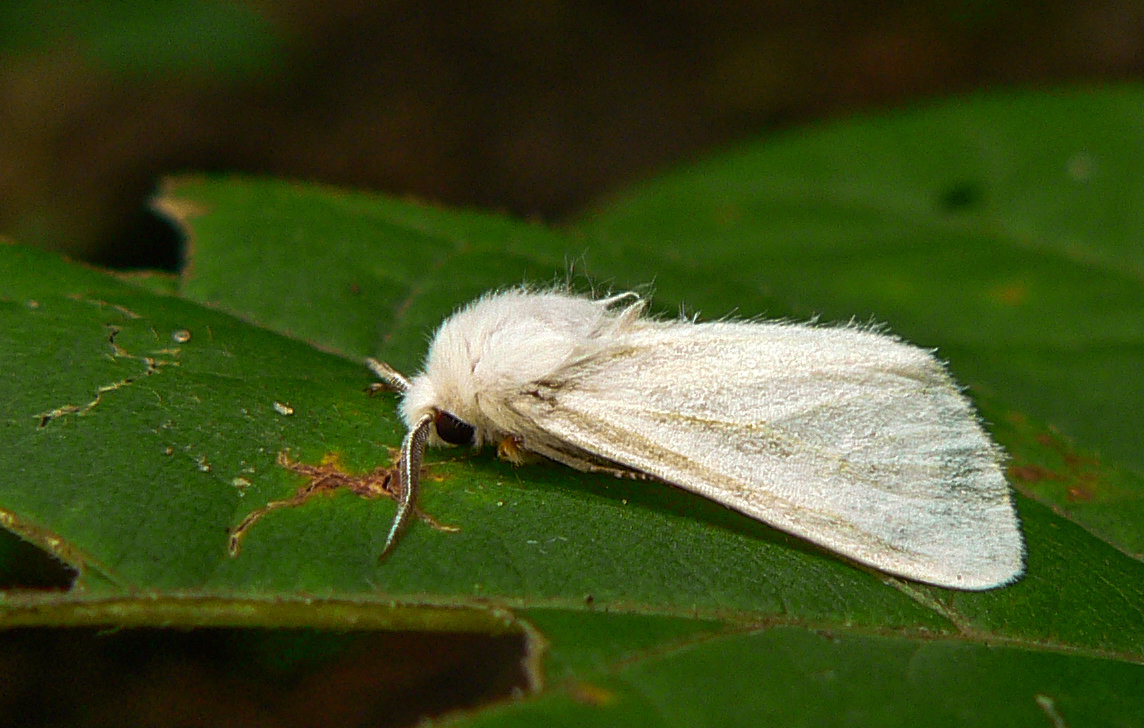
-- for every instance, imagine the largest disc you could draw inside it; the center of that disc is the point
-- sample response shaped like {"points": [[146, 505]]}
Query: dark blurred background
{"points": [[533, 108]]}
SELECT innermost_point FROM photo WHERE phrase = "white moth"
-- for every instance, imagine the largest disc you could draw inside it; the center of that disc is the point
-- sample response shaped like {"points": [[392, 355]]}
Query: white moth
{"points": [[844, 436]]}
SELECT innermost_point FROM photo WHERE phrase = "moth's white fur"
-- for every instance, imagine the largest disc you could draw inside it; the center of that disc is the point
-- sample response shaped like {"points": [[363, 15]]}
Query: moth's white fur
{"points": [[844, 436]]}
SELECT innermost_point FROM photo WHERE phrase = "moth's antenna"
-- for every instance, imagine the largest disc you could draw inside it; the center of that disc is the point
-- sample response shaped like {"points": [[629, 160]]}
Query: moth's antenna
{"points": [[408, 476]]}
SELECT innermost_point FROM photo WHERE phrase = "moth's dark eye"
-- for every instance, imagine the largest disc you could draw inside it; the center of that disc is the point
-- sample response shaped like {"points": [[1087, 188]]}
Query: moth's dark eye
{"points": [[452, 430]]}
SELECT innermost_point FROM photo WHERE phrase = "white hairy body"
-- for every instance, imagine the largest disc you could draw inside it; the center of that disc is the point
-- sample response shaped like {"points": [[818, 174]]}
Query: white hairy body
{"points": [[844, 436]]}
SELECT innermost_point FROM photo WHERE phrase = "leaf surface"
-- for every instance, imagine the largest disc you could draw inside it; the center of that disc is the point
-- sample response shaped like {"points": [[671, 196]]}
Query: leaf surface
{"points": [[142, 420]]}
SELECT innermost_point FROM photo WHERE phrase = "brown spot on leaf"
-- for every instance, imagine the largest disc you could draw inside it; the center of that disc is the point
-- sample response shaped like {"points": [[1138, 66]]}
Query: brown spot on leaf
{"points": [[1080, 494], [1013, 293], [324, 479], [1061, 475], [1033, 473]]}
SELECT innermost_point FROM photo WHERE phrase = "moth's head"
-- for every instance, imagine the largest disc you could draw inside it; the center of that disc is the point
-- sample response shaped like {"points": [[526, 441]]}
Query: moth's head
{"points": [[454, 422], [447, 388], [488, 350]]}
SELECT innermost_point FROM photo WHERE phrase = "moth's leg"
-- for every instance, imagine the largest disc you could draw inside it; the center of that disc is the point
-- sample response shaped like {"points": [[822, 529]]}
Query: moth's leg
{"points": [[512, 450], [586, 464], [619, 471]]}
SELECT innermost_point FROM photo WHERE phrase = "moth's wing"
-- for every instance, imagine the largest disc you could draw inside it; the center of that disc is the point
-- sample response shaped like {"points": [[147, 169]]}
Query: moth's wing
{"points": [[846, 437]]}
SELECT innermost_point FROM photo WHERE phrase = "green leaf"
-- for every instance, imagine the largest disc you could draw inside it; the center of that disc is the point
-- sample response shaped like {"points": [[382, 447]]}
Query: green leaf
{"points": [[143, 420], [796, 676]]}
